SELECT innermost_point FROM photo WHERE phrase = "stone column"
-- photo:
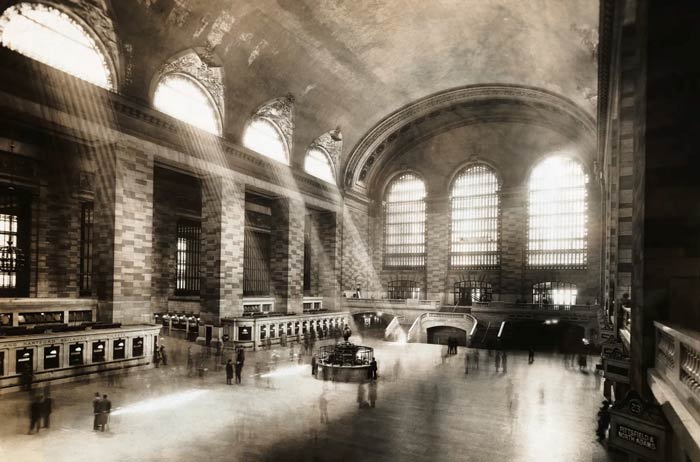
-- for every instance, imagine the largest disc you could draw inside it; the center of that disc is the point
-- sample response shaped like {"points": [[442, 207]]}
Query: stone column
{"points": [[123, 223], [287, 254], [223, 225], [437, 246], [329, 232], [514, 222]]}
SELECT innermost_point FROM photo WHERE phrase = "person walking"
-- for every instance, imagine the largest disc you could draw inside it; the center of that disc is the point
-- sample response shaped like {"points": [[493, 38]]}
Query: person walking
{"points": [[46, 409], [498, 360], [466, 362], [372, 395], [531, 355], [323, 407], [229, 372], [373, 369], [96, 410], [504, 361], [314, 365], [35, 411]]}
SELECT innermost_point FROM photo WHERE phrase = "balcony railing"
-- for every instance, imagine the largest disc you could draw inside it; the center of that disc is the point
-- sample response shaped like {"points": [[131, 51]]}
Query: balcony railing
{"points": [[364, 302], [677, 363]]}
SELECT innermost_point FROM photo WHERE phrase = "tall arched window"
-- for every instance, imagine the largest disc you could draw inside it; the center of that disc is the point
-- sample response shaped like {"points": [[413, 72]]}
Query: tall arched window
{"points": [[475, 216], [557, 235], [318, 163], [182, 97], [52, 37], [404, 225]]}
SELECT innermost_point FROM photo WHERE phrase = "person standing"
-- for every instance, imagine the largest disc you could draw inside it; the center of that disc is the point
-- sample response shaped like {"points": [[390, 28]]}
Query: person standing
{"points": [[314, 365], [531, 355], [229, 372], [35, 411], [373, 369], [163, 356], [240, 359], [96, 411], [46, 409], [156, 358], [105, 408], [498, 360]]}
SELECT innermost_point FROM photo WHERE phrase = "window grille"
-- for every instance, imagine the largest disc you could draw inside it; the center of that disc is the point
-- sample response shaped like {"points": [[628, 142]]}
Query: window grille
{"points": [[256, 263], [471, 291], [403, 290], [475, 219], [554, 293], [14, 227], [189, 235], [557, 234], [404, 226], [86, 239]]}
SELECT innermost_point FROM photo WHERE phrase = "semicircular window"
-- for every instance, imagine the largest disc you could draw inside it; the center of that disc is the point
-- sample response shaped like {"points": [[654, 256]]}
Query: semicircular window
{"points": [[263, 136], [52, 37], [318, 164], [182, 97]]}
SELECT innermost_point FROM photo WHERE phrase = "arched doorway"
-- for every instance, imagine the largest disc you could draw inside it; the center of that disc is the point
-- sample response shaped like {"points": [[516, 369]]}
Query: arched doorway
{"points": [[372, 324], [440, 334]]}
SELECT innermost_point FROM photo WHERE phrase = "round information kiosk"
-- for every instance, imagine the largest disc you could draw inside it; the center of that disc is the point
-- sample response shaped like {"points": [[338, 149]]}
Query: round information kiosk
{"points": [[344, 362]]}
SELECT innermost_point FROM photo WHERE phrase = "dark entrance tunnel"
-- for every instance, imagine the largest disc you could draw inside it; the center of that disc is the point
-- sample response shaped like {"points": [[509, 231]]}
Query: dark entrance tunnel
{"points": [[440, 335], [372, 324]]}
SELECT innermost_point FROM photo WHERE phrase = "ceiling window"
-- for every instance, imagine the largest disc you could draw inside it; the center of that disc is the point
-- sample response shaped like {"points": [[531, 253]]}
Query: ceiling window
{"points": [[557, 234], [52, 37], [474, 232], [404, 222], [318, 163], [182, 97]]}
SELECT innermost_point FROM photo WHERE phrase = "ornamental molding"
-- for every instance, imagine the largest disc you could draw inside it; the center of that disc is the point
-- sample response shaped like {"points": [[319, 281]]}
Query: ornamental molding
{"points": [[279, 111], [370, 148], [202, 67], [330, 142]]}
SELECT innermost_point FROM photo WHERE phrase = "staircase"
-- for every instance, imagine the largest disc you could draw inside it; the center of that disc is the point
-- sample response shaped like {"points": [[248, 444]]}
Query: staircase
{"points": [[486, 335]]}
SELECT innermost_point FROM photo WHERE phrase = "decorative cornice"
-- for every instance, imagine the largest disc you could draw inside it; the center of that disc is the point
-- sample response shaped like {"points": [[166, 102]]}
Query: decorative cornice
{"points": [[280, 111], [332, 143], [376, 141]]}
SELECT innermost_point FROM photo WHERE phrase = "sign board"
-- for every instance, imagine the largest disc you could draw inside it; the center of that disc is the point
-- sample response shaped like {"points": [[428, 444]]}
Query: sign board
{"points": [[617, 369], [638, 428]]}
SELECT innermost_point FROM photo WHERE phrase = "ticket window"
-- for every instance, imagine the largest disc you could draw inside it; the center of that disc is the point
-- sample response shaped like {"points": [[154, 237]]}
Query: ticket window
{"points": [[75, 354], [245, 333], [304, 327], [281, 330], [272, 331], [119, 349], [51, 357], [296, 328], [98, 352], [137, 347], [25, 360], [263, 332], [289, 329]]}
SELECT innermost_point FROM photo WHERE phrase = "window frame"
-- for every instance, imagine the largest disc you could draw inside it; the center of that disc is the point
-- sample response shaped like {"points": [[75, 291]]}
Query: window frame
{"points": [[421, 257], [189, 270], [87, 233], [331, 165], [498, 220]]}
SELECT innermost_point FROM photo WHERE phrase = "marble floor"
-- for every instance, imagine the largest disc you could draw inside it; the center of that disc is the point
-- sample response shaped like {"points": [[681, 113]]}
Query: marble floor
{"points": [[427, 409]]}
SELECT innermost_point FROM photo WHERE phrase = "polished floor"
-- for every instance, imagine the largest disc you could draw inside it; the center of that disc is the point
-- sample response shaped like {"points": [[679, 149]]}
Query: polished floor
{"points": [[427, 409]]}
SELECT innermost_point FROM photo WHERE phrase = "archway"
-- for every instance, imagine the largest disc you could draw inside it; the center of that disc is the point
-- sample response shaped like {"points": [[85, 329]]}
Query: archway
{"points": [[372, 324], [440, 335]]}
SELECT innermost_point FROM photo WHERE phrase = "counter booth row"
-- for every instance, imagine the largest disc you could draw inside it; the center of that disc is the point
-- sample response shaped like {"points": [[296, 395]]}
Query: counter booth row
{"points": [[259, 332], [65, 356]]}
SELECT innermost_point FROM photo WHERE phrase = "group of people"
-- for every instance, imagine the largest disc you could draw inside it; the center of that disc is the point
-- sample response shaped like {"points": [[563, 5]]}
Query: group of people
{"points": [[40, 412], [160, 356], [452, 344], [101, 407], [237, 368]]}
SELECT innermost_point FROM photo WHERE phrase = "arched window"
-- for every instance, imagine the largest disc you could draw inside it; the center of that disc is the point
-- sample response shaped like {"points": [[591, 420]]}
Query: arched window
{"points": [[52, 37], [475, 216], [557, 210], [318, 163], [264, 137], [182, 97], [554, 293], [404, 226], [403, 290], [472, 291]]}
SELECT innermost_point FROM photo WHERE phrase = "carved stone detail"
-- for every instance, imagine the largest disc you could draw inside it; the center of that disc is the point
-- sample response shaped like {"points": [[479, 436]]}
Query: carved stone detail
{"points": [[332, 143], [198, 65], [280, 111]]}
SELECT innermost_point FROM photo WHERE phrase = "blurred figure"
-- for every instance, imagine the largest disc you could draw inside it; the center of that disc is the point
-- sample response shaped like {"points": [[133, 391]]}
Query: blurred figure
{"points": [[361, 403], [156, 358], [498, 360], [504, 361], [323, 407], [603, 421], [96, 410], [372, 393], [240, 359], [476, 360], [104, 409], [466, 362], [163, 356], [373, 369], [229, 372], [531, 355], [35, 412], [314, 365], [397, 369], [26, 379], [46, 409]]}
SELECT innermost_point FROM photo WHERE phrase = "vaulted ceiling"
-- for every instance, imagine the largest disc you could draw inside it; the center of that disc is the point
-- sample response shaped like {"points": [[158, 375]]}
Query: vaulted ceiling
{"points": [[353, 62]]}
